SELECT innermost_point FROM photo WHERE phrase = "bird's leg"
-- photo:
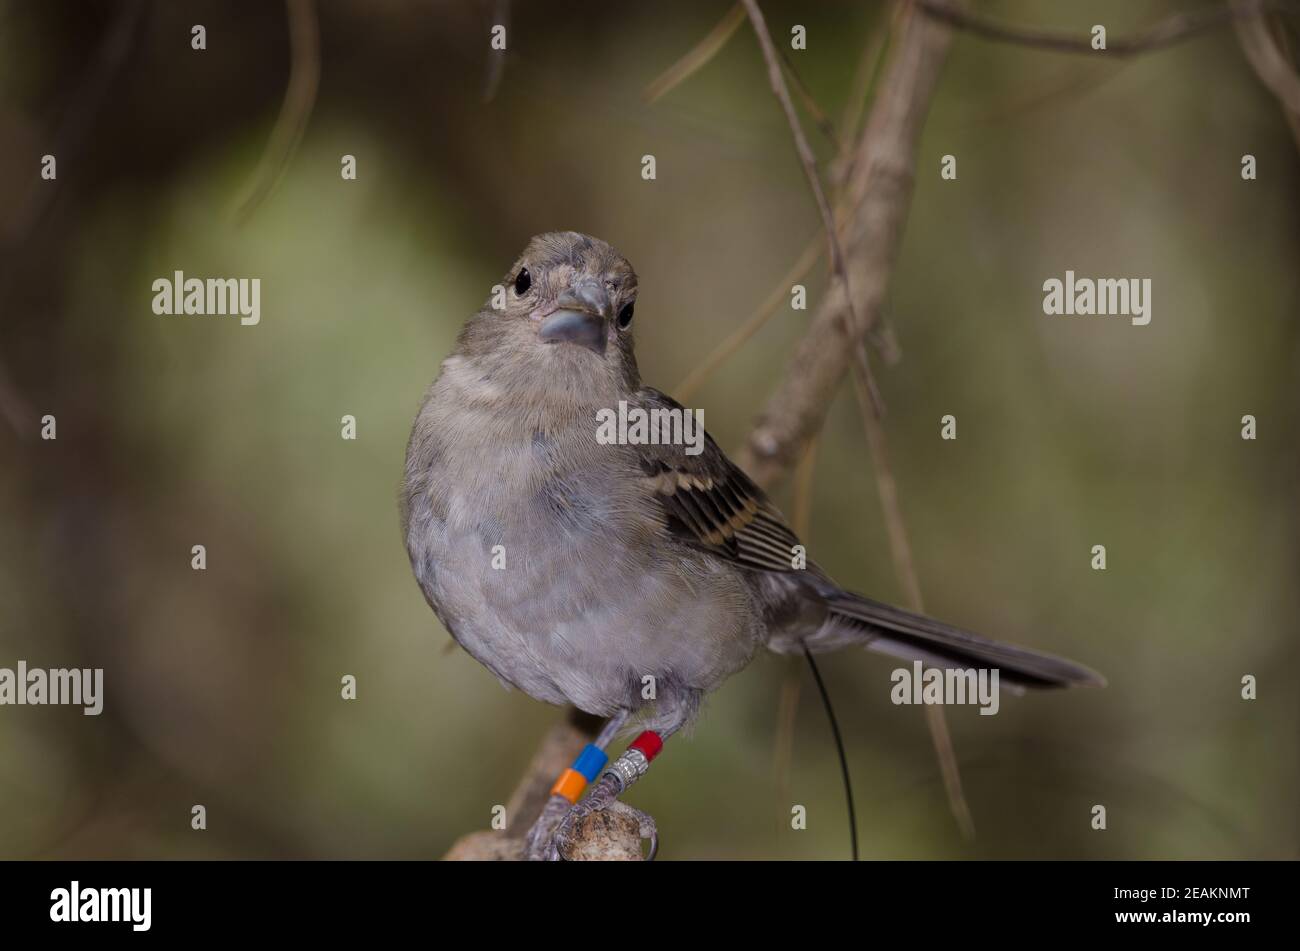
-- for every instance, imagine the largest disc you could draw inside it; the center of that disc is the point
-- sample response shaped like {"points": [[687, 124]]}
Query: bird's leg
{"points": [[569, 787], [615, 779]]}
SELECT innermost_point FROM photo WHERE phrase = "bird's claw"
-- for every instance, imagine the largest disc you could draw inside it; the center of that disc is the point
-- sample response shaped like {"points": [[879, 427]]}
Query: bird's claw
{"points": [[648, 830], [562, 838], [569, 838], [537, 846]]}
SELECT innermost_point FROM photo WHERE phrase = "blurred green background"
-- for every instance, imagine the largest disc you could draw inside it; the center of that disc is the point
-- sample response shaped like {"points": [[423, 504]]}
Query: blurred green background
{"points": [[223, 686]]}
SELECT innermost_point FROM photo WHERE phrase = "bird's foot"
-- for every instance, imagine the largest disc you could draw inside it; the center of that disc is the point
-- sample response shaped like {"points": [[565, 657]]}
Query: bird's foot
{"points": [[601, 828], [538, 842]]}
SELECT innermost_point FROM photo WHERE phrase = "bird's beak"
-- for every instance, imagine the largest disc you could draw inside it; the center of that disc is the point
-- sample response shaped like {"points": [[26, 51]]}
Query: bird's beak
{"points": [[581, 317]]}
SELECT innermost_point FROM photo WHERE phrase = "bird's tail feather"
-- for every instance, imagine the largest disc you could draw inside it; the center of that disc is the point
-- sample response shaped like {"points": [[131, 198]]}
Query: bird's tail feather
{"points": [[901, 633]]}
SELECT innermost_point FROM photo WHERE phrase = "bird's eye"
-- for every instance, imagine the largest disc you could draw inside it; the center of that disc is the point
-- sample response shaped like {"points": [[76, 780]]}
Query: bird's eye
{"points": [[523, 281], [625, 316]]}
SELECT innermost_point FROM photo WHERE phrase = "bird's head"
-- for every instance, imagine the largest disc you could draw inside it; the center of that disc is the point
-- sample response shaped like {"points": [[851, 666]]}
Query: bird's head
{"points": [[562, 317]]}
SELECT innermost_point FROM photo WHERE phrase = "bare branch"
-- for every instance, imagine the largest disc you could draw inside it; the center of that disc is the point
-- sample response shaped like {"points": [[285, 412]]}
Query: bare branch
{"points": [[806, 157], [899, 545], [864, 77], [819, 116], [299, 100], [879, 190], [801, 512], [698, 55], [737, 338], [866, 70], [611, 835], [787, 713], [868, 391], [1270, 64], [792, 679], [1167, 32], [900, 549], [565, 740]]}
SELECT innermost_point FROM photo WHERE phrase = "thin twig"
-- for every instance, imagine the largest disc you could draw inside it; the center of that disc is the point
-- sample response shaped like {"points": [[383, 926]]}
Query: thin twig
{"points": [[877, 194], [881, 337], [1075, 85], [1270, 64], [679, 72], [295, 111], [787, 712], [900, 549], [697, 56], [899, 545], [1166, 32], [806, 157], [864, 79], [801, 512], [871, 393], [735, 340], [819, 117]]}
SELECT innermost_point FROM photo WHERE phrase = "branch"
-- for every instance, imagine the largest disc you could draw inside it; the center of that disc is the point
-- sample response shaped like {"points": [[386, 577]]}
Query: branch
{"points": [[864, 78], [613, 834], [756, 321], [879, 189], [697, 56], [1270, 64], [791, 682], [1167, 32], [873, 406], [900, 550], [865, 72], [819, 117], [299, 100], [806, 157]]}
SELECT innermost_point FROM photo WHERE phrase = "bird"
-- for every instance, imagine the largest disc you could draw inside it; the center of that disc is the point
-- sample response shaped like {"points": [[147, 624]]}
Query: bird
{"points": [[626, 577]]}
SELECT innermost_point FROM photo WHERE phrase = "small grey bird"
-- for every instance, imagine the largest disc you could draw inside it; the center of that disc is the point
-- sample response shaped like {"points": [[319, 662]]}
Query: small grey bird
{"points": [[574, 568]]}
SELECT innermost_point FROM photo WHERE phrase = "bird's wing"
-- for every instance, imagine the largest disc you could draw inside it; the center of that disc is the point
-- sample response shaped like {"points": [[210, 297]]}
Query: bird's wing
{"points": [[709, 502]]}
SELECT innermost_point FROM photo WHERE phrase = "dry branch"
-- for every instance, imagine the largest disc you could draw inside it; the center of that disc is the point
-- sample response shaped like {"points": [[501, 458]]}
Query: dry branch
{"points": [[737, 338], [697, 56], [1166, 32], [613, 835], [900, 549], [874, 409], [879, 190], [806, 157], [299, 100], [1271, 65]]}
